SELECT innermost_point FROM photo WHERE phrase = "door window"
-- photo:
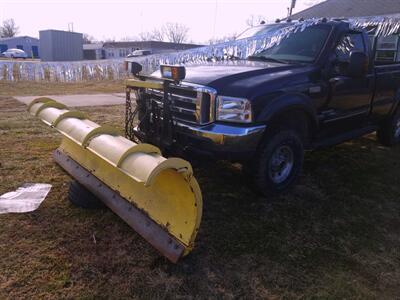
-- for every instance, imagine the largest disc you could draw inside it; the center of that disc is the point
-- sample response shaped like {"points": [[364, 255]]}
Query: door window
{"points": [[350, 42]]}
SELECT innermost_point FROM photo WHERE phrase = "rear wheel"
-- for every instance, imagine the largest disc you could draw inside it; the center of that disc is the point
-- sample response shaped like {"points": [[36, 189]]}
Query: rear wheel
{"points": [[389, 133], [79, 196]]}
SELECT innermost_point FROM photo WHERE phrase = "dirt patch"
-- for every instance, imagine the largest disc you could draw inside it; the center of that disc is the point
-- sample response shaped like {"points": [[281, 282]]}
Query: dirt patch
{"points": [[336, 235]]}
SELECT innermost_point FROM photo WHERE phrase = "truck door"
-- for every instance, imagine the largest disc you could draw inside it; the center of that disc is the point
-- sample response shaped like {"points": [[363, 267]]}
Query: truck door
{"points": [[349, 98]]}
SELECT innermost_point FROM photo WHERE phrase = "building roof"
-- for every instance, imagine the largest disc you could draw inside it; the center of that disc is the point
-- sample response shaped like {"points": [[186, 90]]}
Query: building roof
{"points": [[149, 45], [350, 8], [58, 30], [93, 46], [18, 37]]}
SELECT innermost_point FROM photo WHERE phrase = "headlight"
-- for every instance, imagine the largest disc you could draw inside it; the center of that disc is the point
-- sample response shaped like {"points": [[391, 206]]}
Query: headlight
{"points": [[231, 109]]}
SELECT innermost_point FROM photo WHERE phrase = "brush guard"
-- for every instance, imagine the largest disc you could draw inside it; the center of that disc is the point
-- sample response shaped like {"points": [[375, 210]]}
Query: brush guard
{"points": [[156, 122]]}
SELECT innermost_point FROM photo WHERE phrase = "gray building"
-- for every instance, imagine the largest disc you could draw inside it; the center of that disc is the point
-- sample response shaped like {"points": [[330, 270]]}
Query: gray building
{"points": [[387, 48], [29, 44], [57, 45], [93, 51], [122, 49]]}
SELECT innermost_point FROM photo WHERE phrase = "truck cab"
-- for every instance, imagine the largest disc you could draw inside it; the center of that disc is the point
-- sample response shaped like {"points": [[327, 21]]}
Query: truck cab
{"points": [[316, 87]]}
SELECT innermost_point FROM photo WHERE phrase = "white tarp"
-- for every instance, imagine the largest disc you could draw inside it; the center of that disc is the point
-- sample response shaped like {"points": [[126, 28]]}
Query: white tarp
{"points": [[26, 198]]}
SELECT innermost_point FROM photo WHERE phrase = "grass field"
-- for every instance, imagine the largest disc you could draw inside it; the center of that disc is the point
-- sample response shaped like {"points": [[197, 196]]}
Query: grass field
{"points": [[336, 235]]}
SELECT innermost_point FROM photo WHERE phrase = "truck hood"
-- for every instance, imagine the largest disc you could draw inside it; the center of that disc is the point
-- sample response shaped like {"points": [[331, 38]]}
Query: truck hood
{"points": [[237, 78]]}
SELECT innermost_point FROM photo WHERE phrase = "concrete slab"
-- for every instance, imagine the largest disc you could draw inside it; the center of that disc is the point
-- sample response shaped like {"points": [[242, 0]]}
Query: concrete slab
{"points": [[81, 100]]}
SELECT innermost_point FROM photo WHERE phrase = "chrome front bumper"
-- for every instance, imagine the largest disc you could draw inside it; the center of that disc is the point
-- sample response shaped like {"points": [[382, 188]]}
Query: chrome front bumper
{"points": [[224, 137]]}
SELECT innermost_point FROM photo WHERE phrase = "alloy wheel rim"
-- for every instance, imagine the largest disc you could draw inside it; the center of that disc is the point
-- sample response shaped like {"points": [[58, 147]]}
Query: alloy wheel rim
{"points": [[281, 164], [397, 129]]}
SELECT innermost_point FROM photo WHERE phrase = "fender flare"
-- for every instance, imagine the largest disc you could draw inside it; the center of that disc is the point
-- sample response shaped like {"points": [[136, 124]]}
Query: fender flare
{"points": [[289, 102]]}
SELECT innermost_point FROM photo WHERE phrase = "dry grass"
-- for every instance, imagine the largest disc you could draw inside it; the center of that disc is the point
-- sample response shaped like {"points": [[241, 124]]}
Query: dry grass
{"points": [[23, 88], [335, 236]]}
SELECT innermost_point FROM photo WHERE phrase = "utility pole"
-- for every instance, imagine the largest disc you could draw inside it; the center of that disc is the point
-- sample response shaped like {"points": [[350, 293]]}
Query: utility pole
{"points": [[290, 9]]}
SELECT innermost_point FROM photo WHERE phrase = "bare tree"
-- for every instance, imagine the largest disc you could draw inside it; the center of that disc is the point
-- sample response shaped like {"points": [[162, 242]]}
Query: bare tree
{"points": [[223, 39], [255, 20], [9, 29], [110, 40], [88, 39], [175, 32], [145, 36], [172, 32], [157, 35], [154, 35], [128, 38]]}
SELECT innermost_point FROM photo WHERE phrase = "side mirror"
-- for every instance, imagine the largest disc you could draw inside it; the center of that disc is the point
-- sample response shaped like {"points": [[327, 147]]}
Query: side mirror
{"points": [[358, 64]]}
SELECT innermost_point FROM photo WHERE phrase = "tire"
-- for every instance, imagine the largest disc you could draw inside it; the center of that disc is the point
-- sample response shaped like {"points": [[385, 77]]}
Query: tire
{"points": [[389, 133], [79, 196], [279, 162]]}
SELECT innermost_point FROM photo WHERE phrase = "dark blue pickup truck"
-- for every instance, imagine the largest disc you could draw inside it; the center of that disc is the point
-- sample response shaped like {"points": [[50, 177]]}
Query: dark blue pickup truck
{"points": [[318, 87]]}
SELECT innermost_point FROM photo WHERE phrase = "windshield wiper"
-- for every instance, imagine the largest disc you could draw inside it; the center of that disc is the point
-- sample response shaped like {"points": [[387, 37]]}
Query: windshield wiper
{"points": [[264, 58]]}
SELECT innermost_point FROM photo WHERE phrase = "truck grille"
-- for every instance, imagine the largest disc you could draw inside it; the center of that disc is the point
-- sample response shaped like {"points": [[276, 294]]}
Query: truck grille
{"points": [[190, 104]]}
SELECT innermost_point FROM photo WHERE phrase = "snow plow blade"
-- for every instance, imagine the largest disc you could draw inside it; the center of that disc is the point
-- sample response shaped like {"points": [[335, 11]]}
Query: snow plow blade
{"points": [[158, 197]]}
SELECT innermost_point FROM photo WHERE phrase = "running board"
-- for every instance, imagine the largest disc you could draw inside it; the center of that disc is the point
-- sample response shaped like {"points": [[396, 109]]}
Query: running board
{"points": [[344, 137]]}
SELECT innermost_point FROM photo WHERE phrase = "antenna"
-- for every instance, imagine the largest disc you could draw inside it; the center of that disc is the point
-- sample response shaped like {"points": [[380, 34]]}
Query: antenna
{"points": [[290, 9], [71, 27]]}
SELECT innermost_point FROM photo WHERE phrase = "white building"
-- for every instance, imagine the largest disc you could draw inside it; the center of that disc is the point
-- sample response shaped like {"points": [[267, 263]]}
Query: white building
{"points": [[111, 50]]}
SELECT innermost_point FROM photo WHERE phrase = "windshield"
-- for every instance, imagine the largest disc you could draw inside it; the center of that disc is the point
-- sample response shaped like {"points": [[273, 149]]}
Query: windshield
{"points": [[260, 30], [301, 46]]}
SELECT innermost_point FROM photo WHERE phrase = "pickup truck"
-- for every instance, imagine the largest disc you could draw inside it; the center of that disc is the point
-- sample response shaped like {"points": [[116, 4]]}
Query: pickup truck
{"points": [[318, 87]]}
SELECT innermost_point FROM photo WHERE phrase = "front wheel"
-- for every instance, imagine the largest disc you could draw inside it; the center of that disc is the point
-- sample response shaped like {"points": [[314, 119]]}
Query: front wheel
{"points": [[389, 133], [79, 196], [279, 162]]}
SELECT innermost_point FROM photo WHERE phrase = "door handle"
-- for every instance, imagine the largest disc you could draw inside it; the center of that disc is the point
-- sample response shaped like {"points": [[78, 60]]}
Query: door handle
{"points": [[336, 80]]}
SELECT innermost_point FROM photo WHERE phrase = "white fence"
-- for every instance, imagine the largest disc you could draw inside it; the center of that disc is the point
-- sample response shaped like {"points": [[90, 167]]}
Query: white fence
{"points": [[62, 71]]}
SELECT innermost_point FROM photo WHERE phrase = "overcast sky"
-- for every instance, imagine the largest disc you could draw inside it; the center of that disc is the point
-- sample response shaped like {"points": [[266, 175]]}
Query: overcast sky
{"points": [[121, 18]]}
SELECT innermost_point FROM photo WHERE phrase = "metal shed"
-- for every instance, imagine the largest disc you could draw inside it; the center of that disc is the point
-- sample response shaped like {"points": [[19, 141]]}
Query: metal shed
{"points": [[57, 45], [29, 44]]}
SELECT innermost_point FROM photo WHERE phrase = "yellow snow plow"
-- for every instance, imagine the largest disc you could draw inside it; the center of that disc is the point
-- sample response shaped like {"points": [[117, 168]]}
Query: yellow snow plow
{"points": [[158, 197]]}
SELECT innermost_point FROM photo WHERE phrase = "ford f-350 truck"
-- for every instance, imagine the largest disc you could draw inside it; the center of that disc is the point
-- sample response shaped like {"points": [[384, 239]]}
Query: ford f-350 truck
{"points": [[318, 87]]}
